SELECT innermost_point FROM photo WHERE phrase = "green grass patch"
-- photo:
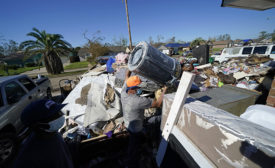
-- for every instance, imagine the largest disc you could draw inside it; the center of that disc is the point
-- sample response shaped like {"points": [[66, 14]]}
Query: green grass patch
{"points": [[215, 50], [77, 65], [17, 71], [67, 74]]}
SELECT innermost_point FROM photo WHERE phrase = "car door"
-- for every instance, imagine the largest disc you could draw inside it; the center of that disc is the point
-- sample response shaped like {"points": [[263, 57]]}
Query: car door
{"points": [[33, 90], [16, 99]]}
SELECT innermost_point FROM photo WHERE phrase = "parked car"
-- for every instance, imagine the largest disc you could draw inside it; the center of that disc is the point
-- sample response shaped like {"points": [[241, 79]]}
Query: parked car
{"points": [[16, 92]]}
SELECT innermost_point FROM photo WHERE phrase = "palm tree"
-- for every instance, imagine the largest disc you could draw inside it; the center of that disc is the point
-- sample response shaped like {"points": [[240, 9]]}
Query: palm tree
{"points": [[51, 46]]}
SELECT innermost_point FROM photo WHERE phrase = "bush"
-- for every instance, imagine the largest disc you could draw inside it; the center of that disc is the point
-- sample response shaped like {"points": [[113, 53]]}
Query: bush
{"points": [[30, 64], [74, 59], [89, 59], [15, 67]]}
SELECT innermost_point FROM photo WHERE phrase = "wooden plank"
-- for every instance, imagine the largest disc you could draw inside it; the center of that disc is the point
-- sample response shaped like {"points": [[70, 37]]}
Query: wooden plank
{"points": [[186, 81], [180, 97]]}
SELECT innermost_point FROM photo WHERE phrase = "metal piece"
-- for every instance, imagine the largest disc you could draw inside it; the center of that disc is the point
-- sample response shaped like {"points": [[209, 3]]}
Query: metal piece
{"points": [[249, 4]]}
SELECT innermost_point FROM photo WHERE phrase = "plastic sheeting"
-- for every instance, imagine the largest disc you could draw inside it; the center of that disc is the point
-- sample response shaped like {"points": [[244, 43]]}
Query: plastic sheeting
{"points": [[86, 101], [261, 114]]}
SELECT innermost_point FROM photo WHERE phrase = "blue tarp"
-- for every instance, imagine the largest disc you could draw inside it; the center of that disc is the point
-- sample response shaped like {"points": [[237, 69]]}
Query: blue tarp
{"points": [[109, 63], [247, 40], [174, 45]]}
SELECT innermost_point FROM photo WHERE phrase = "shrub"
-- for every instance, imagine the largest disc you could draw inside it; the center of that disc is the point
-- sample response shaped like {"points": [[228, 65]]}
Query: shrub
{"points": [[15, 67], [30, 64], [74, 59], [89, 59]]}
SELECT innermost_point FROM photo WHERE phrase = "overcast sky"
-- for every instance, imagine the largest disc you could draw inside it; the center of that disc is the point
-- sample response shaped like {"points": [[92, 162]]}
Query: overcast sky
{"points": [[183, 19]]}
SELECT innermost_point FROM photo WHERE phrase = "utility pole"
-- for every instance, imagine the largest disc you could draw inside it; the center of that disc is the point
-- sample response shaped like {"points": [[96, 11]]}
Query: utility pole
{"points": [[128, 22]]}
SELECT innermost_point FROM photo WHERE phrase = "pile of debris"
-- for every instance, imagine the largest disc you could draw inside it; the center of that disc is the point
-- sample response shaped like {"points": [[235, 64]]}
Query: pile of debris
{"points": [[245, 73]]}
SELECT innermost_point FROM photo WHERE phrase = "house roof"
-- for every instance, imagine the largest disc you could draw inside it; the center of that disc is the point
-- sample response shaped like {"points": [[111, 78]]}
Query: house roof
{"points": [[174, 45], [249, 4], [224, 42], [163, 48]]}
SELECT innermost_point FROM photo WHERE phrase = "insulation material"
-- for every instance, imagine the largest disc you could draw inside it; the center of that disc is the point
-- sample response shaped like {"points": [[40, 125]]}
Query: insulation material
{"points": [[121, 58], [226, 140], [93, 99]]}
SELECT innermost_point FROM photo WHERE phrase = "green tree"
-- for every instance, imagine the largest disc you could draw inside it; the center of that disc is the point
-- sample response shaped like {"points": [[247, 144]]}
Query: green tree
{"points": [[223, 37], [172, 40], [273, 36], [122, 41], [8, 48], [263, 35], [95, 46], [51, 46], [160, 38], [196, 42]]}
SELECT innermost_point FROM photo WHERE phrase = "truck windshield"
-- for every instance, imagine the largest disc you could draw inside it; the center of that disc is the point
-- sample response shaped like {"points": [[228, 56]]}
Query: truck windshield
{"points": [[260, 50]]}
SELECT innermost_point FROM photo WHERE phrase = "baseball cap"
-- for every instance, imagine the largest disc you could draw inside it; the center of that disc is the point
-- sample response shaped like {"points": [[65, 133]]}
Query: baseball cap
{"points": [[135, 81], [43, 110]]}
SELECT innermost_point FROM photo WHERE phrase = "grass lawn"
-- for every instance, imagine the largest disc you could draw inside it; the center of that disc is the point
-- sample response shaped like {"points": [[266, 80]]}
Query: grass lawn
{"points": [[76, 65], [215, 50], [67, 74], [17, 71]]}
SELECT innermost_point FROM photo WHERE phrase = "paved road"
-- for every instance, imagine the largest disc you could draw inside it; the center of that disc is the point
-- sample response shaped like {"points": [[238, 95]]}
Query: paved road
{"points": [[43, 71]]}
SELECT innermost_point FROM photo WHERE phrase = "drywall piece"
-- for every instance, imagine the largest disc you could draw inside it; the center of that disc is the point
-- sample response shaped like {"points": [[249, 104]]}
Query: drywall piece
{"points": [[240, 75], [192, 149], [225, 139], [86, 101], [203, 66]]}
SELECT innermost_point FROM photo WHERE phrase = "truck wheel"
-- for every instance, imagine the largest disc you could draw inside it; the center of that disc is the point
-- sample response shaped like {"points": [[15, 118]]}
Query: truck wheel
{"points": [[49, 94], [8, 146]]}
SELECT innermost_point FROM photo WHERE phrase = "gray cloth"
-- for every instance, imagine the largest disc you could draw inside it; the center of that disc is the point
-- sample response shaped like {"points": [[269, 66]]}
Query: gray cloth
{"points": [[133, 107]]}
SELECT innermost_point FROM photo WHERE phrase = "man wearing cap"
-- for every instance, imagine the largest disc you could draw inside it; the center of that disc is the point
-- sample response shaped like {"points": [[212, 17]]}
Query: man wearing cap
{"points": [[44, 147], [133, 107]]}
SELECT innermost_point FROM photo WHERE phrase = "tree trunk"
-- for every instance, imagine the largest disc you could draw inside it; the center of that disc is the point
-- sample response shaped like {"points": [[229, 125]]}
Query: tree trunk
{"points": [[53, 63]]}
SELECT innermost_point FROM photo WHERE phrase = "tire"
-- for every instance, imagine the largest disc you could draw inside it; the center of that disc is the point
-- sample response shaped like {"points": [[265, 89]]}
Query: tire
{"points": [[49, 94], [8, 147]]}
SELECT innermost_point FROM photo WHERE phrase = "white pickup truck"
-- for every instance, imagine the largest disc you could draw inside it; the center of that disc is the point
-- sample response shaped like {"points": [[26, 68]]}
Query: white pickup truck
{"points": [[16, 92], [245, 51]]}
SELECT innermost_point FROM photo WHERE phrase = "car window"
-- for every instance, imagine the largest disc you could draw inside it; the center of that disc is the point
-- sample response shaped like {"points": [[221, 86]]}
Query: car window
{"points": [[260, 50], [272, 50], [27, 83], [247, 50], [14, 92], [1, 100], [236, 51]]}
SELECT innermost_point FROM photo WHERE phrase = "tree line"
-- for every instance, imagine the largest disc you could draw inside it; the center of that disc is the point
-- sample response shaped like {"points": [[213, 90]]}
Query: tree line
{"points": [[52, 46]]}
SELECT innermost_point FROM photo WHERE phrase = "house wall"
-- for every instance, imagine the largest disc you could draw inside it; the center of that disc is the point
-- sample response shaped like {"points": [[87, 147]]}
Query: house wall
{"points": [[220, 46]]}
